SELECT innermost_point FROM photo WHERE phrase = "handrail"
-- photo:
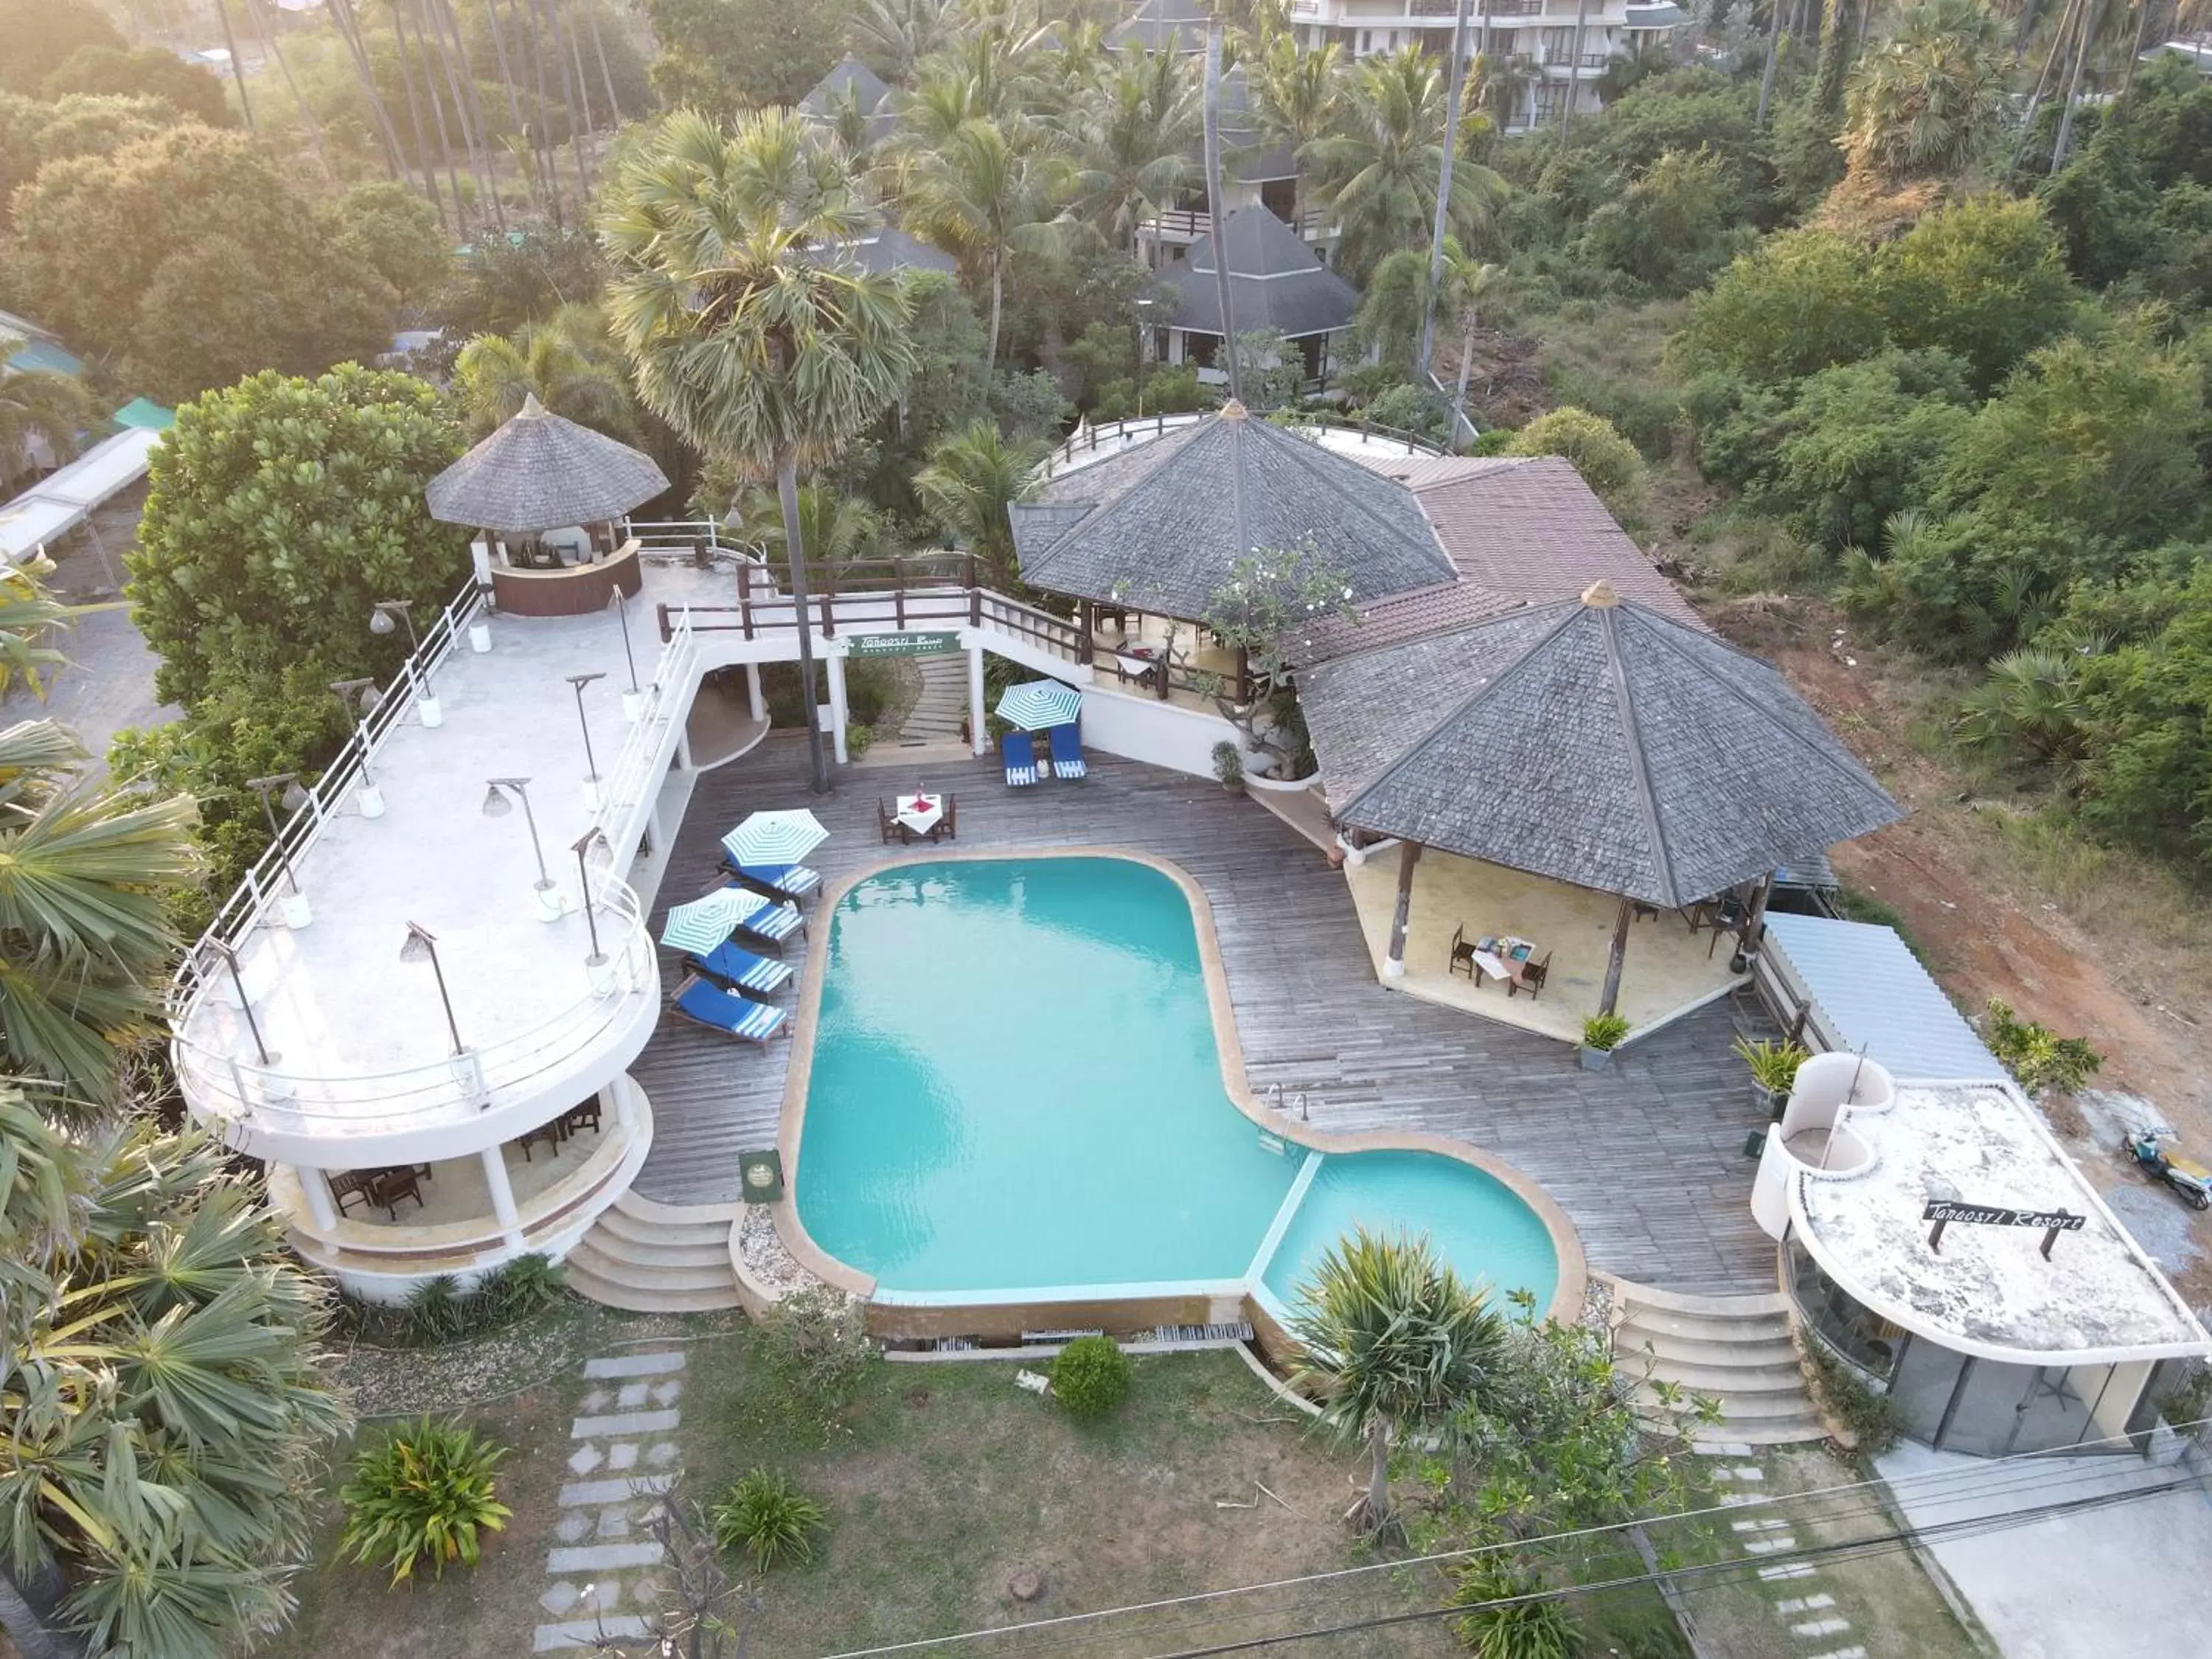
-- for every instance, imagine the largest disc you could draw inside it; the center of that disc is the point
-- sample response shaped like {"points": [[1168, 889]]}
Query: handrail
{"points": [[636, 764], [1085, 440]]}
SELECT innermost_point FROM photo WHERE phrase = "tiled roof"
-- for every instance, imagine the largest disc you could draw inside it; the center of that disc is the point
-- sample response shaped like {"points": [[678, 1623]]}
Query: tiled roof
{"points": [[1277, 281], [1599, 743], [1519, 532]]}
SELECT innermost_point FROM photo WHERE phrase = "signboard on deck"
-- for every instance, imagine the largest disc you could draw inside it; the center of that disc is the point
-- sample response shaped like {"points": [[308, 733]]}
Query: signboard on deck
{"points": [[902, 645]]}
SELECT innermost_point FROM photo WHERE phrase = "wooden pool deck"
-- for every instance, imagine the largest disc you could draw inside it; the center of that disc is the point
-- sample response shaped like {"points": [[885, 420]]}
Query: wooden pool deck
{"points": [[1646, 1157]]}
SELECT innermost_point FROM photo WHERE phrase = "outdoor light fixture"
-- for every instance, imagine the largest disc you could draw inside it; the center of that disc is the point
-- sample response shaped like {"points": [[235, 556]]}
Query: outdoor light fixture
{"points": [[590, 762], [262, 1052], [386, 618], [632, 699], [356, 695], [596, 964], [297, 911], [421, 946], [496, 805]]}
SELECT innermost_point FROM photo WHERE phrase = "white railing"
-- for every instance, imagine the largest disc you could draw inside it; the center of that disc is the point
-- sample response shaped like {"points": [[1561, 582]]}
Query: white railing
{"points": [[457, 1087], [1080, 444], [637, 770], [265, 882]]}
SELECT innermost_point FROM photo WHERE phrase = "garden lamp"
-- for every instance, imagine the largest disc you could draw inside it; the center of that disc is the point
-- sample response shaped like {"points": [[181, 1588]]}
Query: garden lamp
{"points": [[596, 964], [297, 911], [590, 762], [497, 805], [387, 617], [632, 699], [421, 946], [222, 950], [356, 696]]}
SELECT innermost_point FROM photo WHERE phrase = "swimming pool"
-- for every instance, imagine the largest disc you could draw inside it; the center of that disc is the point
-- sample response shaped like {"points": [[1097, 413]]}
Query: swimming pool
{"points": [[1015, 1092]]}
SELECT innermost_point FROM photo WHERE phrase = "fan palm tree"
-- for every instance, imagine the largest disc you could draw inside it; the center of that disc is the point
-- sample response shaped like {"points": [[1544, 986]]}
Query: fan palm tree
{"points": [[897, 35], [1139, 132], [1923, 102], [742, 334], [1392, 1340], [39, 405], [1380, 173], [980, 199], [972, 478], [834, 528], [566, 362]]}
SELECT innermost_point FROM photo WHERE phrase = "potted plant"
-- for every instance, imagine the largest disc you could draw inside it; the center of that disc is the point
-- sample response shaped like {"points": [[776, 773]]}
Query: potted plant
{"points": [[1773, 1071], [1229, 767], [1602, 1034]]}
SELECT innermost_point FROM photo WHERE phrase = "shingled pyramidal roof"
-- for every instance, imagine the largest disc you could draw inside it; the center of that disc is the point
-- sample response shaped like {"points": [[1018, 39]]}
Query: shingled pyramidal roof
{"points": [[1275, 281], [1161, 526], [541, 470], [1592, 741]]}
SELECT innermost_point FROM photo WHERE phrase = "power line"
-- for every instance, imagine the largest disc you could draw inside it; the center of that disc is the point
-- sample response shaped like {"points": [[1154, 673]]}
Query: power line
{"points": [[1990, 1477]]}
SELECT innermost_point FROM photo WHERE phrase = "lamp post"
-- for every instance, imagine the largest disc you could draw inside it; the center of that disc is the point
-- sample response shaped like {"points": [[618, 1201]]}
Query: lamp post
{"points": [[360, 697], [386, 618], [298, 913], [496, 805], [421, 946], [633, 700], [1144, 343], [596, 964], [590, 761], [262, 1051]]}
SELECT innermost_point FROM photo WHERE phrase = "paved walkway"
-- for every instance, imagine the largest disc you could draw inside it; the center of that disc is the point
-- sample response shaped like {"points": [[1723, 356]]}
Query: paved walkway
{"points": [[937, 713], [1646, 1157], [603, 1569]]}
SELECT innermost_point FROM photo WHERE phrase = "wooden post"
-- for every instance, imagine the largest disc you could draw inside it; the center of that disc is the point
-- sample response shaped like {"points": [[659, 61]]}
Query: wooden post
{"points": [[1409, 855], [746, 594], [1086, 614], [1754, 920], [1614, 957]]}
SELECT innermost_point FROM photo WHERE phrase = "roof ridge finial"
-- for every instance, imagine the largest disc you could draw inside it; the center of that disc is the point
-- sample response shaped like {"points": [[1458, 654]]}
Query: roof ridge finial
{"points": [[1234, 410], [532, 410], [1600, 593]]}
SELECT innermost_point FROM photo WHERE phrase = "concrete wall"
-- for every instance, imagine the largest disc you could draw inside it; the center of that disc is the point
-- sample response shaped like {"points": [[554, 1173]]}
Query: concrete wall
{"points": [[1145, 729], [1007, 1322]]}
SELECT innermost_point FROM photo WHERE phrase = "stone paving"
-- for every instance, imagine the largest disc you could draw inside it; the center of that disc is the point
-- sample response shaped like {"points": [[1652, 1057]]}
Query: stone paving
{"points": [[602, 1568], [1806, 1610]]}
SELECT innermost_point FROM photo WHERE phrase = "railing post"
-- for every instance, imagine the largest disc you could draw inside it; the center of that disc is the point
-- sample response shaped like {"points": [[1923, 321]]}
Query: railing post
{"points": [[1086, 614], [745, 593], [666, 633], [829, 598], [898, 602]]}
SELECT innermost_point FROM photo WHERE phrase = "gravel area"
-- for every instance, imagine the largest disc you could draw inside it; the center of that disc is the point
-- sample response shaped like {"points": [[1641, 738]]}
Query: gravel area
{"points": [[771, 1267]]}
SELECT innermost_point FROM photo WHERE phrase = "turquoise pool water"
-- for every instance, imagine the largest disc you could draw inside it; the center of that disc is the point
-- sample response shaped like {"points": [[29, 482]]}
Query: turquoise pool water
{"points": [[1015, 1087]]}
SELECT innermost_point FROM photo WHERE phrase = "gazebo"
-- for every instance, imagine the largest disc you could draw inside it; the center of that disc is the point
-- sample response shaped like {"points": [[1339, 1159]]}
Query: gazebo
{"points": [[1276, 281], [1593, 743], [546, 494]]}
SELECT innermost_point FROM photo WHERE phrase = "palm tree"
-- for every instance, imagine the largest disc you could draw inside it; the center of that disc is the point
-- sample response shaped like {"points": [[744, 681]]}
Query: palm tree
{"points": [[38, 405], [1923, 103], [972, 478], [29, 617], [834, 528], [1392, 1340], [742, 335], [85, 936], [1380, 173], [1388, 322], [1140, 129], [897, 35], [1297, 97], [567, 361], [1460, 292], [980, 199]]}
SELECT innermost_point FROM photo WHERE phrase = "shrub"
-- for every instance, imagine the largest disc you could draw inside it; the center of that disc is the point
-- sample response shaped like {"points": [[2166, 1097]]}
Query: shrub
{"points": [[1604, 1031], [528, 1285], [770, 1518], [2036, 1055], [1609, 463], [1773, 1065], [1092, 1376], [1519, 1629], [424, 1493], [816, 1344], [437, 1309], [1229, 765], [1864, 1412]]}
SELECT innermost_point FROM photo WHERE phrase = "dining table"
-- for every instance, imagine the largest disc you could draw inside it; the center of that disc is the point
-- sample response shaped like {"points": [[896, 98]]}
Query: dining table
{"points": [[1504, 959], [919, 813]]}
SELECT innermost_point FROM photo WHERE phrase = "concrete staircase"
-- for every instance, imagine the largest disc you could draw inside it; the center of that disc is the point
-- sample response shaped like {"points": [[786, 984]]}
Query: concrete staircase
{"points": [[937, 713], [1736, 1348], [657, 1258]]}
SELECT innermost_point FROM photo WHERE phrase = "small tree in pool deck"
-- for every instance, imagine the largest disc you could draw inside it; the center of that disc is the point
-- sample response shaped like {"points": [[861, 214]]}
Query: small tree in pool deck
{"points": [[1267, 609], [1394, 1342]]}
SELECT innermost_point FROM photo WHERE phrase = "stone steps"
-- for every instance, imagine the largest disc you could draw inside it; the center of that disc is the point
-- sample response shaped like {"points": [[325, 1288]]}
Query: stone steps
{"points": [[1735, 1349], [942, 704], [657, 1258]]}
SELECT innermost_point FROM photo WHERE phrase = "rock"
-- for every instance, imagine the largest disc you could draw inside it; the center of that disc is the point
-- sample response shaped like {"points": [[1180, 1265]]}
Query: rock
{"points": [[1025, 1584]]}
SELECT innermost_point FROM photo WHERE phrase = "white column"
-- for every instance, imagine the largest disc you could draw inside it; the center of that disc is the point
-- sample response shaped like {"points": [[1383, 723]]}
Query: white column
{"points": [[837, 705], [619, 1097], [315, 1187], [502, 1195], [753, 691], [683, 751], [977, 737]]}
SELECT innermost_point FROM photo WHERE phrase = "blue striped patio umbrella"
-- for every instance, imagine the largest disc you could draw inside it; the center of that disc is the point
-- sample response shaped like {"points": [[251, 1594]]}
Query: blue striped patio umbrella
{"points": [[704, 923], [773, 838], [1040, 704]]}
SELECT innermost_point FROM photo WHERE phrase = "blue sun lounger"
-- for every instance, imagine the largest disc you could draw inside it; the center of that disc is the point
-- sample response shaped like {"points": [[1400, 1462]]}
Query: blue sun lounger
{"points": [[778, 881], [1019, 750], [772, 923], [709, 1004], [738, 969], [1067, 751]]}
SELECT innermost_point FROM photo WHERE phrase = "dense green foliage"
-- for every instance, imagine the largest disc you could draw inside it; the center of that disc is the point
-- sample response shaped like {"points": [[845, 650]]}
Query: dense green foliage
{"points": [[424, 1493], [1092, 1376], [726, 56], [103, 71], [43, 35], [2036, 1055]]}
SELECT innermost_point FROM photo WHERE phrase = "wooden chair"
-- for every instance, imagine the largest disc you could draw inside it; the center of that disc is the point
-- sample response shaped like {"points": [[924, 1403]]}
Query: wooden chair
{"points": [[553, 1131], [387, 1186], [948, 827], [1533, 975], [887, 826], [582, 1115], [1462, 955], [356, 1185]]}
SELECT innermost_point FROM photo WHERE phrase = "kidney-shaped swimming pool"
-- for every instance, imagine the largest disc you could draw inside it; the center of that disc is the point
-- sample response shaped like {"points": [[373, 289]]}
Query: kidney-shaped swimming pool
{"points": [[1016, 1094]]}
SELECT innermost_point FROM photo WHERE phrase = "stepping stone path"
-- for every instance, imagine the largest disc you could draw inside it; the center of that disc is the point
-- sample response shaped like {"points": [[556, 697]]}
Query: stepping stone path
{"points": [[1816, 1629], [602, 1566]]}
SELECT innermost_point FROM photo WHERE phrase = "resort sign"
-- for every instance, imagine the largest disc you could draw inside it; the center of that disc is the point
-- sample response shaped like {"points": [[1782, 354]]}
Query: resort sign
{"points": [[903, 645], [2051, 1223]]}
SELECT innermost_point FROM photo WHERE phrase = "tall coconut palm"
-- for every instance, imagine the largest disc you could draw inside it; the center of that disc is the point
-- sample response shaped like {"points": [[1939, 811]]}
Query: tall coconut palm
{"points": [[971, 478], [742, 334], [1379, 173], [1392, 1340], [1138, 132], [40, 406], [567, 362], [982, 199], [1297, 96], [395, 158]]}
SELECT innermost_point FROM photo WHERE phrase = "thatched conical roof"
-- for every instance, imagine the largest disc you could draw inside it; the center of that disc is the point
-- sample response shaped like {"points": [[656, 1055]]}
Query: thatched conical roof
{"points": [[541, 471]]}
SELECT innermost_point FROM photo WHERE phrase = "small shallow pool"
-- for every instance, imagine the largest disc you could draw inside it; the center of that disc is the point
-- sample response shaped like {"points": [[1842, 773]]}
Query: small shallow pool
{"points": [[1014, 1094]]}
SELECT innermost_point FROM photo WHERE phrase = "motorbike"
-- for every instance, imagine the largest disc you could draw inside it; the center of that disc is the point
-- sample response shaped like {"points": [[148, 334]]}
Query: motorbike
{"points": [[2148, 1150]]}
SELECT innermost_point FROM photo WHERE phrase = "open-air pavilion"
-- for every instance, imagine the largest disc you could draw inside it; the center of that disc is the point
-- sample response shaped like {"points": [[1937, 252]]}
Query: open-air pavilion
{"points": [[1605, 784]]}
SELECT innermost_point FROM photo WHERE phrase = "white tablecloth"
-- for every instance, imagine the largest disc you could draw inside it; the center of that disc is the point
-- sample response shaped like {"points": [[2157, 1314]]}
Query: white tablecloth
{"points": [[920, 814]]}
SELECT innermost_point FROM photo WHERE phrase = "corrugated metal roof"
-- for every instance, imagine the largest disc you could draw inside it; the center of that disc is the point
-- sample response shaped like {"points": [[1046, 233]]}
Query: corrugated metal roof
{"points": [[1873, 993]]}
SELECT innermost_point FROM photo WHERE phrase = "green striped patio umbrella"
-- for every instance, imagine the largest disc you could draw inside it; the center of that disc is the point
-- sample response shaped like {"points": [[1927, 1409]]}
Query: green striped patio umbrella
{"points": [[771, 838], [1040, 704], [704, 923]]}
